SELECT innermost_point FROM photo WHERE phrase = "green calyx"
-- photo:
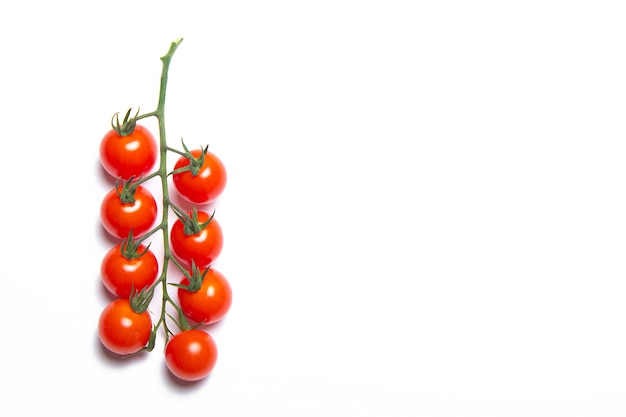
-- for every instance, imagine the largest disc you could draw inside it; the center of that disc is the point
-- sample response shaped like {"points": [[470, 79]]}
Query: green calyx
{"points": [[181, 321], [129, 248], [127, 126], [191, 225], [195, 163], [195, 278], [151, 341], [127, 191], [140, 300]]}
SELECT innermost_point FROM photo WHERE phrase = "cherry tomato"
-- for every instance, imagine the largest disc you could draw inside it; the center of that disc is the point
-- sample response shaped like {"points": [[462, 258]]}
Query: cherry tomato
{"points": [[119, 218], [203, 247], [204, 187], [122, 330], [119, 274], [211, 302], [191, 355], [127, 156]]}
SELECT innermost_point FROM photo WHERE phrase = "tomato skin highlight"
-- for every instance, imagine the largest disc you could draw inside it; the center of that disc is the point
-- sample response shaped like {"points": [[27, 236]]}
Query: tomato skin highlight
{"points": [[191, 355], [118, 218], [127, 156], [205, 187], [211, 302], [120, 274], [123, 331], [203, 247]]}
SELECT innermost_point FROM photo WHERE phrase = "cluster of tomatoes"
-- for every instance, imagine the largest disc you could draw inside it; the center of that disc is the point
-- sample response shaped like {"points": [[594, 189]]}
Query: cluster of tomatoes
{"points": [[130, 270]]}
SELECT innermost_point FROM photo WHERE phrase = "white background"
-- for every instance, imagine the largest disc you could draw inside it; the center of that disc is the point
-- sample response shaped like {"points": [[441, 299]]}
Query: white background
{"points": [[425, 213]]}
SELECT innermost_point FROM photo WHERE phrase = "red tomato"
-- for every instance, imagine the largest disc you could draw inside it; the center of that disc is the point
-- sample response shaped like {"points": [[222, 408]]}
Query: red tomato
{"points": [[211, 302], [119, 274], [119, 218], [191, 355], [122, 330], [204, 187], [203, 247], [127, 156]]}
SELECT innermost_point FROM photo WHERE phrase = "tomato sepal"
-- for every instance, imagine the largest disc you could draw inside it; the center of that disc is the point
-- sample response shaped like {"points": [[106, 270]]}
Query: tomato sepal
{"points": [[129, 248], [128, 123], [181, 322], [195, 163], [127, 191], [191, 225], [151, 341], [140, 300], [195, 278]]}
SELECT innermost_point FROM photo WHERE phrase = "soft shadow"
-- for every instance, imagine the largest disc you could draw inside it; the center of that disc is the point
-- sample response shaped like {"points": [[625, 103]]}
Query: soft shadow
{"points": [[108, 237], [115, 360], [179, 385], [104, 176], [214, 327], [105, 295]]}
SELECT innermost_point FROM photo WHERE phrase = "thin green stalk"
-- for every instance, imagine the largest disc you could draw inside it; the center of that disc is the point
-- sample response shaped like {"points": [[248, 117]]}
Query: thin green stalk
{"points": [[181, 153], [145, 115], [159, 113], [147, 178]]}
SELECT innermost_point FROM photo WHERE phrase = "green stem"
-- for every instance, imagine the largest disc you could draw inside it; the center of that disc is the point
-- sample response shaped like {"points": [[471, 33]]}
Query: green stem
{"points": [[159, 113], [143, 116], [149, 177], [177, 151], [178, 265], [145, 236], [179, 170]]}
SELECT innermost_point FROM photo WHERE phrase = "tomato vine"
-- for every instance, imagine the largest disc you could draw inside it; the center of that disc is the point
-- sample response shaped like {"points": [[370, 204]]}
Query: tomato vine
{"points": [[132, 168]]}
